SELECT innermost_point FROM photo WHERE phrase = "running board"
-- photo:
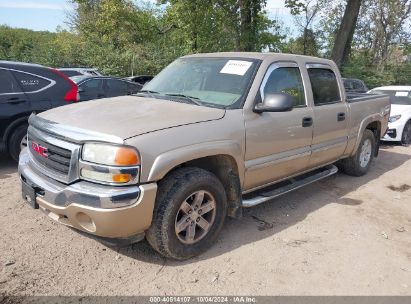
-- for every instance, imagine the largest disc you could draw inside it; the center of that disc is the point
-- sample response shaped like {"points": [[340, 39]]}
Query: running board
{"points": [[276, 190]]}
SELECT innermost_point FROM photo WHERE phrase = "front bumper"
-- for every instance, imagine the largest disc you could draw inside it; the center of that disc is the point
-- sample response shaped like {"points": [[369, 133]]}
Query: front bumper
{"points": [[81, 204], [394, 132]]}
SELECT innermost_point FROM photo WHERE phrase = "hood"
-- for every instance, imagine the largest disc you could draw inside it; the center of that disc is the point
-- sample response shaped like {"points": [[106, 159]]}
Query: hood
{"points": [[397, 109], [129, 116]]}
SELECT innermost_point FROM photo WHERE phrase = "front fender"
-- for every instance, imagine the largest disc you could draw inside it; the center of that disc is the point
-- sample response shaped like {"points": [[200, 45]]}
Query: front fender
{"points": [[165, 162]]}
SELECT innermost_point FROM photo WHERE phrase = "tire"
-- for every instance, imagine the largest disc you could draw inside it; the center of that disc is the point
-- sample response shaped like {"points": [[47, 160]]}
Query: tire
{"points": [[181, 187], [16, 140], [406, 134], [360, 162]]}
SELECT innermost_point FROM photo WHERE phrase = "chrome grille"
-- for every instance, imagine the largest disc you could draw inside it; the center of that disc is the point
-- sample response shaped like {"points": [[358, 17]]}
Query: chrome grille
{"points": [[57, 159], [52, 156]]}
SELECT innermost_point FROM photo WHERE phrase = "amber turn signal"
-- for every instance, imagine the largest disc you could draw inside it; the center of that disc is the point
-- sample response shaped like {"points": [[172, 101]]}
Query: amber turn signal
{"points": [[126, 157], [121, 178]]}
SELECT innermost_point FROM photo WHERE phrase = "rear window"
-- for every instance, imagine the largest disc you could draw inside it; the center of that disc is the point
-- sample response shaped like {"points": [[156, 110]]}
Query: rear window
{"points": [[7, 83], [324, 85], [31, 83], [397, 97]]}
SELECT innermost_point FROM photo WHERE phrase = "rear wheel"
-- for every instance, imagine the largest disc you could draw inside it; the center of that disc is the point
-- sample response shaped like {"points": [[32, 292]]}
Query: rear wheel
{"points": [[360, 162], [17, 141], [190, 210], [406, 134]]}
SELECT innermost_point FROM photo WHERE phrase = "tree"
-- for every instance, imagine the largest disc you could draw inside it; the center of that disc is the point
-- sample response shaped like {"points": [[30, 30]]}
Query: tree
{"points": [[343, 40], [305, 12]]}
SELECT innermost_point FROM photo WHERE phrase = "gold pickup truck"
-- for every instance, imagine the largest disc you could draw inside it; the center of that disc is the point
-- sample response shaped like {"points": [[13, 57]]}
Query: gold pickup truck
{"points": [[210, 135]]}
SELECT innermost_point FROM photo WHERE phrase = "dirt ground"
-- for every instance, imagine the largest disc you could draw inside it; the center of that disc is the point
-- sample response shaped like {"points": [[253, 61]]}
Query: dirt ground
{"points": [[340, 236]]}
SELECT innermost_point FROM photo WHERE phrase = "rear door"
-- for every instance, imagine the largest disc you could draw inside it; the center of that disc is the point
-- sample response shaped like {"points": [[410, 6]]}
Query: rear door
{"points": [[330, 134], [13, 102]]}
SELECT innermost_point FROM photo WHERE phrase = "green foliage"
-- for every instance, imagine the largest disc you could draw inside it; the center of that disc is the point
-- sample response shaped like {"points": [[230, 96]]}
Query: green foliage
{"points": [[124, 37]]}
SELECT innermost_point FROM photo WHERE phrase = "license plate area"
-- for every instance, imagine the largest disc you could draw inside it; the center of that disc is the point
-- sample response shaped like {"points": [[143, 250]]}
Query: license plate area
{"points": [[29, 194]]}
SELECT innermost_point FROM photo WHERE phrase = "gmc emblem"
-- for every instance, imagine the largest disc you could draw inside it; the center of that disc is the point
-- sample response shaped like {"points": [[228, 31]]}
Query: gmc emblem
{"points": [[42, 151]]}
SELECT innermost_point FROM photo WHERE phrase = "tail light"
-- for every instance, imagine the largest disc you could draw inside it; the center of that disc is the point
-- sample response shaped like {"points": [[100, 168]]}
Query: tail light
{"points": [[72, 94]]}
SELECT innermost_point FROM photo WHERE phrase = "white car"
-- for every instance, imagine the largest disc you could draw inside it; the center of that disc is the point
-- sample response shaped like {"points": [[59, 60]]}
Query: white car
{"points": [[399, 127]]}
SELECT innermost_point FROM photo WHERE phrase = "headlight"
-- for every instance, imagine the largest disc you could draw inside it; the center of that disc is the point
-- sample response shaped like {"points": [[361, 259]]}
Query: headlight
{"points": [[110, 155], [394, 118], [110, 164]]}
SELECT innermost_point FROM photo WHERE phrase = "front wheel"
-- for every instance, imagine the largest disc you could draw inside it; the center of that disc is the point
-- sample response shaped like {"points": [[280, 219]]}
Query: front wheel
{"points": [[18, 141], [406, 134], [190, 209], [360, 162]]}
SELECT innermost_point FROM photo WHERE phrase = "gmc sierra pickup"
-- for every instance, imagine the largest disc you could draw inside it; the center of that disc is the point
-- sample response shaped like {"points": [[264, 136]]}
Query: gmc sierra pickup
{"points": [[208, 136]]}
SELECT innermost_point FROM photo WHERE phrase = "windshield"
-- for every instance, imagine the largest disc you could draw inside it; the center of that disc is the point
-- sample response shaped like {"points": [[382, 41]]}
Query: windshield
{"points": [[397, 97], [220, 82]]}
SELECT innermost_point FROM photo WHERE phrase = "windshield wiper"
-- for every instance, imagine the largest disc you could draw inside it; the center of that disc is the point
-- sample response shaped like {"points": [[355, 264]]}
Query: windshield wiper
{"points": [[192, 99], [148, 92]]}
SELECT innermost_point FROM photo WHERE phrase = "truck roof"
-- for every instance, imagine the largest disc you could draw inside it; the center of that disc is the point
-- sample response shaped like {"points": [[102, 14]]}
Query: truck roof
{"points": [[262, 56]]}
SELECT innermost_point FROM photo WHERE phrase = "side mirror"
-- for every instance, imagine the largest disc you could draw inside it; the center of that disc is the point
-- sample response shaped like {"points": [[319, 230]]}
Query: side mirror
{"points": [[279, 102]]}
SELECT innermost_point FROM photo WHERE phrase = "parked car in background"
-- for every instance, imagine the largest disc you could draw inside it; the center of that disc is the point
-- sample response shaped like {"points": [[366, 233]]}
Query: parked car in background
{"points": [[355, 85], [70, 72], [27, 88], [399, 127], [141, 79], [95, 87], [210, 135]]}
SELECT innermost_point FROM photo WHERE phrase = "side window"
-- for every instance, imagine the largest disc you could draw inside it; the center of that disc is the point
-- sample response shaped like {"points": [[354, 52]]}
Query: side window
{"points": [[286, 80], [7, 83], [134, 88], [324, 85], [116, 85], [92, 84], [30, 83]]}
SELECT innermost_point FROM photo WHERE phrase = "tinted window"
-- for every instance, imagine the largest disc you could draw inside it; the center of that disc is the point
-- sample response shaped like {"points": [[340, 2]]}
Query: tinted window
{"points": [[286, 80], [116, 85], [70, 73], [7, 83], [31, 83], [133, 88], [324, 85], [92, 84]]}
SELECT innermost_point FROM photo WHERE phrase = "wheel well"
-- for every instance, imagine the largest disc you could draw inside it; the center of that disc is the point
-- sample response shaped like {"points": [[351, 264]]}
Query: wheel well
{"points": [[375, 127], [226, 170], [10, 129]]}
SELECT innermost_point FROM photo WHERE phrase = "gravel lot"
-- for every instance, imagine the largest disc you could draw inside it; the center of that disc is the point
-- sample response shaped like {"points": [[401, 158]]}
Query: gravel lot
{"points": [[340, 236]]}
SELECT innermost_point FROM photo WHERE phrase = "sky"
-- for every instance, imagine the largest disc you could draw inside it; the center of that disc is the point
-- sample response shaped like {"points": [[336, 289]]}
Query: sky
{"points": [[47, 15]]}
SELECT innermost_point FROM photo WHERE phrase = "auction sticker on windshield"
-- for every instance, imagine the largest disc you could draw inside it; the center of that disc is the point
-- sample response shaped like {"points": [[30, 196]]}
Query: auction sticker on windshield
{"points": [[236, 67]]}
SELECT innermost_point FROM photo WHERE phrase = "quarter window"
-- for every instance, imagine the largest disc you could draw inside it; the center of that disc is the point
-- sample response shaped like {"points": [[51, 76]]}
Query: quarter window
{"points": [[324, 85], [286, 80], [31, 83]]}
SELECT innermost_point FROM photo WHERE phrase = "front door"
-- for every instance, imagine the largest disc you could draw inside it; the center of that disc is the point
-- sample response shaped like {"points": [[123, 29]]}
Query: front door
{"points": [[278, 143]]}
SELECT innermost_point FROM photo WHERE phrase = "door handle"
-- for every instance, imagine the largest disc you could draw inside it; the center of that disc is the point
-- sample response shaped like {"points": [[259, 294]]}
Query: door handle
{"points": [[341, 116], [307, 122], [100, 96]]}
